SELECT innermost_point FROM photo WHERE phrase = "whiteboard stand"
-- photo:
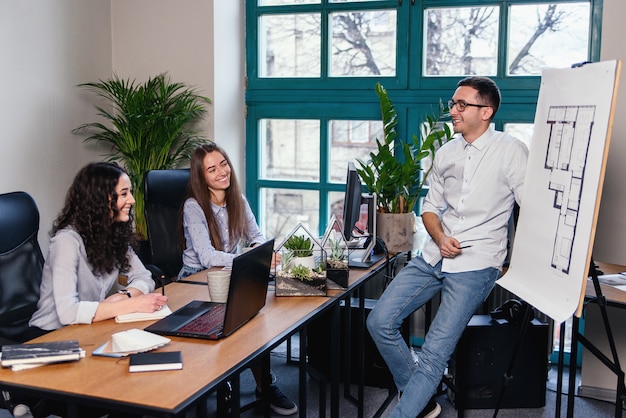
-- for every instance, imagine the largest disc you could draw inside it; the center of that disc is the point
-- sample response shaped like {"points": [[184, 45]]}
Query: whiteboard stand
{"points": [[613, 365]]}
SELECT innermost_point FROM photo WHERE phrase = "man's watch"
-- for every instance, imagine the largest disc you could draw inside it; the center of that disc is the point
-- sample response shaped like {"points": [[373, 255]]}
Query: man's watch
{"points": [[125, 292]]}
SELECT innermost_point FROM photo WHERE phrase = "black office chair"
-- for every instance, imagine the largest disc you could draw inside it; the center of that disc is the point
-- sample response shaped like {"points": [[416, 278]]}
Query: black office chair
{"points": [[165, 193], [21, 264]]}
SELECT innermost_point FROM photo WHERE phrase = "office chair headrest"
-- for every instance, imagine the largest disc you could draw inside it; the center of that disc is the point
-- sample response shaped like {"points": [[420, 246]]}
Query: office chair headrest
{"points": [[166, 187]]}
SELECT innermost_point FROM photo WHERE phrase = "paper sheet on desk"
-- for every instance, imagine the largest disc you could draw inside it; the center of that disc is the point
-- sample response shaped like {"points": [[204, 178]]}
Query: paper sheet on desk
{"points": [[615, 280], [130, 341]]}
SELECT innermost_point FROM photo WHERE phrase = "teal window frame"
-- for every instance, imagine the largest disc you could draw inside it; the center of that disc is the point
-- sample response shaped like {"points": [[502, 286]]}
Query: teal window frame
{"points": [[327, 98]]}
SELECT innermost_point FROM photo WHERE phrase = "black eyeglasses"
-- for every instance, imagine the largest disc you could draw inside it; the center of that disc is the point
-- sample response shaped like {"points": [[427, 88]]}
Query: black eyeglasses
{"points": [[462, 104]]}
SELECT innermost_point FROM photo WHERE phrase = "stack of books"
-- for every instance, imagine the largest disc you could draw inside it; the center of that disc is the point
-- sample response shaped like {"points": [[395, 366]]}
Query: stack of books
{"points": [[25, 356]]}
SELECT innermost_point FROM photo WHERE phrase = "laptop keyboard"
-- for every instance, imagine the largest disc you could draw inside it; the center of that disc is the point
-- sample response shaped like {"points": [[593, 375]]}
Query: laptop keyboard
{"points": [[209, 323]]}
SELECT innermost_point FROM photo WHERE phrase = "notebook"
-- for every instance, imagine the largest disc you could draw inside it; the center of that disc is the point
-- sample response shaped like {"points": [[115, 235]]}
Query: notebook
{"points": [[246, 296]]}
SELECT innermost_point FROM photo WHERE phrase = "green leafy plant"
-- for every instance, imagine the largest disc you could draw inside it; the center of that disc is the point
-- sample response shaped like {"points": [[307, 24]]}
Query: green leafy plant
{"points": [[301, 273], [147, 126], [398, 182], [337, 259], [299, 245]]}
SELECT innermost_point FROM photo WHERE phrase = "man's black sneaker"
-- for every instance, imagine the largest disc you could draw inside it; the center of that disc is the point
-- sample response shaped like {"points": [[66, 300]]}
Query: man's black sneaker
{"points": [[431, 410], [279, 403]]}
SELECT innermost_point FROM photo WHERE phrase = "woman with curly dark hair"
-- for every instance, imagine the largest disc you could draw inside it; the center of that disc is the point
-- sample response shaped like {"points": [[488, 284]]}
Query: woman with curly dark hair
{"points": [[90, 246]]}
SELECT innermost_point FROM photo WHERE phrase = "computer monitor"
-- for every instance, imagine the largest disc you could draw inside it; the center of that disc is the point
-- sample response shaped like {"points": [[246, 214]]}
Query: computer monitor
{"points": [[361, 245], [352, 203]]}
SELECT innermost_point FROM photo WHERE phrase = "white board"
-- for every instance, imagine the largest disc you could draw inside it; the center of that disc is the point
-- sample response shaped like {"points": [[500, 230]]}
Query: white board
{"points": [[556, 226]]}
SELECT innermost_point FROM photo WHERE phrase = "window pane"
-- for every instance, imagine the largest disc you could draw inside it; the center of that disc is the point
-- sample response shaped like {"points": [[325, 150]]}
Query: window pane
{"points": [[350, 139], [521, 131], [290, 149], [461, 41], [363, 43], [283, 209], [286, 2], [547, 35], [289, 45]]}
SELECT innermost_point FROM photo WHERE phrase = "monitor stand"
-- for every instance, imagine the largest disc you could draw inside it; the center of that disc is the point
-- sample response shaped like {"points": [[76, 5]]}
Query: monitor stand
{"points": [[355, 260]]}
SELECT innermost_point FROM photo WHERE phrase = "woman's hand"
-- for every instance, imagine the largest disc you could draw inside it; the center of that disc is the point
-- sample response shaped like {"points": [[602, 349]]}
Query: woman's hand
{"points": [[119, 304], [149, 302]]}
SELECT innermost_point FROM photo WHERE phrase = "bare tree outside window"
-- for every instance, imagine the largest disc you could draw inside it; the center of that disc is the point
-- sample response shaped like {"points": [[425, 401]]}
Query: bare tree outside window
{"points": [[461, 41], [363, 43], [290, 45], [558, 37]]}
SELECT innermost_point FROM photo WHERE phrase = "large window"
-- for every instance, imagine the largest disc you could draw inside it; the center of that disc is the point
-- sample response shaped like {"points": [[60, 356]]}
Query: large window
{"points": [[312, 66]]}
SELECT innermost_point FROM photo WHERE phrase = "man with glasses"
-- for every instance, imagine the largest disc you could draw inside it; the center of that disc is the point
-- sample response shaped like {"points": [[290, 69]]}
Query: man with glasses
{"points": [[475, 180]]}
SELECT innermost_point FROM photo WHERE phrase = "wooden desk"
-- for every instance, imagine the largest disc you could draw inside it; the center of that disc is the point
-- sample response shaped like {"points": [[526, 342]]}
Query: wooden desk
{"points": [[613, 296], [105, 382]]}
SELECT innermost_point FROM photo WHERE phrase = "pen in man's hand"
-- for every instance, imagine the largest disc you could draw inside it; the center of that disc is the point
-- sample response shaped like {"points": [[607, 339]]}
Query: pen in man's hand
{"points": [[163, 285], [465, 246]]}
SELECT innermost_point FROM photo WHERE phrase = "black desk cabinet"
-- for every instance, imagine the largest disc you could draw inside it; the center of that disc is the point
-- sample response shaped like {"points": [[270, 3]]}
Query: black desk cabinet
{"points": [[482, 358]]}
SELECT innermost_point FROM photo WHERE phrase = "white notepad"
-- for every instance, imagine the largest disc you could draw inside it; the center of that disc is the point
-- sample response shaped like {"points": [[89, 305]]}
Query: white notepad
{"points": [[130, 341], [144, 316]]}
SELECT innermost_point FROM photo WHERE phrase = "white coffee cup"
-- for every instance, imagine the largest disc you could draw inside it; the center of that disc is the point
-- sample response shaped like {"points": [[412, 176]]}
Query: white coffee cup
{"points": [[218, 282]]}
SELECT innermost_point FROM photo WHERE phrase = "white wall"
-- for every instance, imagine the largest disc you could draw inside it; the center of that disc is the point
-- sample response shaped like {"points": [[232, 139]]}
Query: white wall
{"points": [[46, 49], [197, 42], [610, 241]]}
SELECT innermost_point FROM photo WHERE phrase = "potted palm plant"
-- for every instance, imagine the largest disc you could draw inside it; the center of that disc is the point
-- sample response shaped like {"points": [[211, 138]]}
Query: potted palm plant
{"points": [[398, 180], [148, 126]]}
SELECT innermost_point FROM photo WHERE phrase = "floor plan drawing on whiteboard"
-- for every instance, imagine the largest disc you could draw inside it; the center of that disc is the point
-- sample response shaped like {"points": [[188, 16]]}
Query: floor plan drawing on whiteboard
{"points": [[566, 155]]}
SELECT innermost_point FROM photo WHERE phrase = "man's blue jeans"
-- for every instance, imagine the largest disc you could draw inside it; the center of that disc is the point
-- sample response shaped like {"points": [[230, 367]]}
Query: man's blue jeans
{"points": [[416, 284]]}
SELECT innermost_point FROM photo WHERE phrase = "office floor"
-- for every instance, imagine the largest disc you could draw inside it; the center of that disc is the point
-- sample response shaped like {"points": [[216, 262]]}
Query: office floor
{"points": [[287, 379], [374, 397]]}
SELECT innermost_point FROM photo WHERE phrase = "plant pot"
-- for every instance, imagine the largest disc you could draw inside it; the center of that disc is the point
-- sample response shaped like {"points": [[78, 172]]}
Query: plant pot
{"points": [[287, 285], [339, 276], [396, 230], [303, 261]]}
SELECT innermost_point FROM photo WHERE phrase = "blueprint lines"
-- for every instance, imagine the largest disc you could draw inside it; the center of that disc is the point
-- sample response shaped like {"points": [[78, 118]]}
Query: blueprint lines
{"points": [[570, 133]]}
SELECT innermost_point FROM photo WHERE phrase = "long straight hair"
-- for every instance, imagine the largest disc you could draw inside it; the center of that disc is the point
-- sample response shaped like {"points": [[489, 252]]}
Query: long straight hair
{"points": [[199, 190]]}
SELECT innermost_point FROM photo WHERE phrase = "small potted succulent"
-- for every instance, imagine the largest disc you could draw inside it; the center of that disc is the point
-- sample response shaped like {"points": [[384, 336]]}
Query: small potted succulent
{"points": [[337, 268], [300, 251], [303, 262]]}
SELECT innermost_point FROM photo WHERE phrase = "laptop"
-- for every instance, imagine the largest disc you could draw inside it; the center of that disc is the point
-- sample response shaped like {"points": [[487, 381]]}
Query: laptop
{"points": [[246, 296]]}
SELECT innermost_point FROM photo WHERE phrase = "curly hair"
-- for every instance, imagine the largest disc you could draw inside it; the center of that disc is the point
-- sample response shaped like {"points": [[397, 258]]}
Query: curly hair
{"points": [[90, 206], [234, 199]]}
